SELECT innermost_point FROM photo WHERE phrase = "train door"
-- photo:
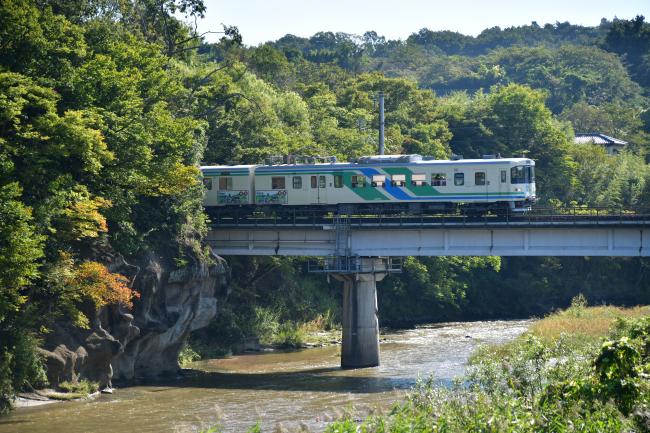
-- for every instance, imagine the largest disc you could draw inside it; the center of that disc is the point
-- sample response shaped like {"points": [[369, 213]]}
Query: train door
{"points": [[313, 189], [503, 181], [318, 189], [481, 183], [322, 189]]}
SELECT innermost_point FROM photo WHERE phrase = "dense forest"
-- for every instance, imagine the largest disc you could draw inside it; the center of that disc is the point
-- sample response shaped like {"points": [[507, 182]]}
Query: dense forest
{"points": [[108, 107]]}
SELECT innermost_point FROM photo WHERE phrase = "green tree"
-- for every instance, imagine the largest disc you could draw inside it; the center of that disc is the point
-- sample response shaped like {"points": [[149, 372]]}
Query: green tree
{"points": [[21, 248], [631, 40]]}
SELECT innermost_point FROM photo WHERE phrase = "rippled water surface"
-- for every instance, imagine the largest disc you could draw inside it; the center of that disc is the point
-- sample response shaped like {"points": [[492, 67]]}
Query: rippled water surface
{"points": [[288, 388]]}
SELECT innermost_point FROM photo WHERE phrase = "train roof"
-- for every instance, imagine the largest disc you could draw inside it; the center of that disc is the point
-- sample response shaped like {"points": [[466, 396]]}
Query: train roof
{"points": [[380, 163], [226, 167], [354, 165]]}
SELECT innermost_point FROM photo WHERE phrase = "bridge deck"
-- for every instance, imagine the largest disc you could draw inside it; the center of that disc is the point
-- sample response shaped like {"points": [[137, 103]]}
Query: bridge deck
{"points": [[526, 235]]}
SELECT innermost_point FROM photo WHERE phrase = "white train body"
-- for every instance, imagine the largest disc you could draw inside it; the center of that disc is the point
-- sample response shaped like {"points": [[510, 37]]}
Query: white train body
{"points": [[390, 182]]}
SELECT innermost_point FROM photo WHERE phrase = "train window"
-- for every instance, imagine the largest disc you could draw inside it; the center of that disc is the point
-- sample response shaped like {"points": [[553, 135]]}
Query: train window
{"points": [[314, 182], [518, 174], [522, 174], [479, 178], [277, 183], [297, 182], [338, 181], [358, 181], [439, 179], [378, 180], [418, 179], [503, 176], [398, 179], [225, 183], [207, 183], [321, 182], [459, 179]]}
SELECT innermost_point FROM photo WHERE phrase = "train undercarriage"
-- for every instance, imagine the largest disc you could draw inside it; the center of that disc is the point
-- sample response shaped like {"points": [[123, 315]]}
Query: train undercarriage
{"points": [[450, 208]]}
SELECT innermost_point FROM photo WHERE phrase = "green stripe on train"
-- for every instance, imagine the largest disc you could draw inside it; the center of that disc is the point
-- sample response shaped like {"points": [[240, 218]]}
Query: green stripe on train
{"points": [[368, 194]]}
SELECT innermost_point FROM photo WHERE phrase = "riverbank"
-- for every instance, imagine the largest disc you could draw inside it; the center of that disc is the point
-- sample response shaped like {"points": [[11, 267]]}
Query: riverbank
{"points": [[583, 369], [66, 391]]}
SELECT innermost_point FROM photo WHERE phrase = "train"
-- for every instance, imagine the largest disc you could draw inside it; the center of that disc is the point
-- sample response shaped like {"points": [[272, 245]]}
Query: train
{"points": [[374, 184]]}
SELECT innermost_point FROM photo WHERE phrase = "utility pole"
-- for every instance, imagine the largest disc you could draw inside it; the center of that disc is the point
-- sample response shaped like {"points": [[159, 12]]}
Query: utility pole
{"points": [[381, 123]]}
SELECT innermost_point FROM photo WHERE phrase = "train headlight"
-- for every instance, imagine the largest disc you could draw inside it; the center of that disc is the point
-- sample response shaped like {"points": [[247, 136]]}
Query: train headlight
{"points": [[517, 189]]}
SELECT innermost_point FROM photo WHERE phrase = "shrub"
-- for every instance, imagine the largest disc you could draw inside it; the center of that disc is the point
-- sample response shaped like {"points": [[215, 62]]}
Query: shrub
{"points": [[82, 387], [187, 355], [289, 335]]}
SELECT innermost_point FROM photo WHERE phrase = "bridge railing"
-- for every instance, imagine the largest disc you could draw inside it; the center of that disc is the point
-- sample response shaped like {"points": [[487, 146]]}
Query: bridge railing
{"points": [[546, 215], [353, 265]]}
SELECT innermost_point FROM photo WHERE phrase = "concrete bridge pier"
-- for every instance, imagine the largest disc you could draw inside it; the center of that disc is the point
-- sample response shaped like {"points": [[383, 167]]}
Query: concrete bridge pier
{"points": [[360, 321]]}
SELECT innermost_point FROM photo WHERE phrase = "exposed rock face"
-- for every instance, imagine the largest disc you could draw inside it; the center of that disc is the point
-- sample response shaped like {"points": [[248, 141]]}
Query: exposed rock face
{"points": [[144, 344], [172, 305], [63, 364]]}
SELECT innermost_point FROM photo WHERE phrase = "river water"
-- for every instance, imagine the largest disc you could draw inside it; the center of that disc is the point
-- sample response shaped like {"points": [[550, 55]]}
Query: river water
{"points": [[284, 391]]}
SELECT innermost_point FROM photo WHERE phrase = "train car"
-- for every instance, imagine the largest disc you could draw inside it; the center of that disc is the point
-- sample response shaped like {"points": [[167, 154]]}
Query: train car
{"points": [[386, 183], [228, 185]]}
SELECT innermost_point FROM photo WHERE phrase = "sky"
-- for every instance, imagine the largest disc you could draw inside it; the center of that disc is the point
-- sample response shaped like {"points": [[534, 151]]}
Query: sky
{"points": [[260, 21]]}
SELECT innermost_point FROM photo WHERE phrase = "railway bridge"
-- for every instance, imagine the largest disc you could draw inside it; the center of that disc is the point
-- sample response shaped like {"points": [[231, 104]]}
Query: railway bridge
{"points": [[362, 250]]}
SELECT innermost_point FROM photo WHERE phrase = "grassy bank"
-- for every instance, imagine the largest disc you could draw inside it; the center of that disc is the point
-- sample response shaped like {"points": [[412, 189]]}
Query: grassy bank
{"points": [[584, 369], [579, 330], [590, 324]]}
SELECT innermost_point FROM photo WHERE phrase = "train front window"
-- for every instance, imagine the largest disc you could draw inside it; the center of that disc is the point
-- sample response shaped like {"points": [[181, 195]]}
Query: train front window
{"points": [[297, 182], [225, 183], [338, 181], [522, 174], [418, 179], [358, 181], [439, 179], [277, 183], [479, 178], [207, 183], [517, 174], [459, 179]]}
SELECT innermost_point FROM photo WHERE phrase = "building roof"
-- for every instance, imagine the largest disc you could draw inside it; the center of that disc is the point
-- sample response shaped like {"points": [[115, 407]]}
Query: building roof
{"points": [[597, 138]]}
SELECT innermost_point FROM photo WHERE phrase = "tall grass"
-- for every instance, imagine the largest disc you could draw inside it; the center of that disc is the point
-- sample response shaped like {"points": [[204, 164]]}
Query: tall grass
{"points": [[583, 322], [578, 329]]}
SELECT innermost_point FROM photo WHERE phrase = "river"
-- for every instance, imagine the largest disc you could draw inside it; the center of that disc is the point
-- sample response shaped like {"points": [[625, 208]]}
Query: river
{"points": [[284, 391]]}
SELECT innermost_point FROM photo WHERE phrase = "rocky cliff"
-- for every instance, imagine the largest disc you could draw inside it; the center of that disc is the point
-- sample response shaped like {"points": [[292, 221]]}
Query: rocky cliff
{"points": [[144, 343]]}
